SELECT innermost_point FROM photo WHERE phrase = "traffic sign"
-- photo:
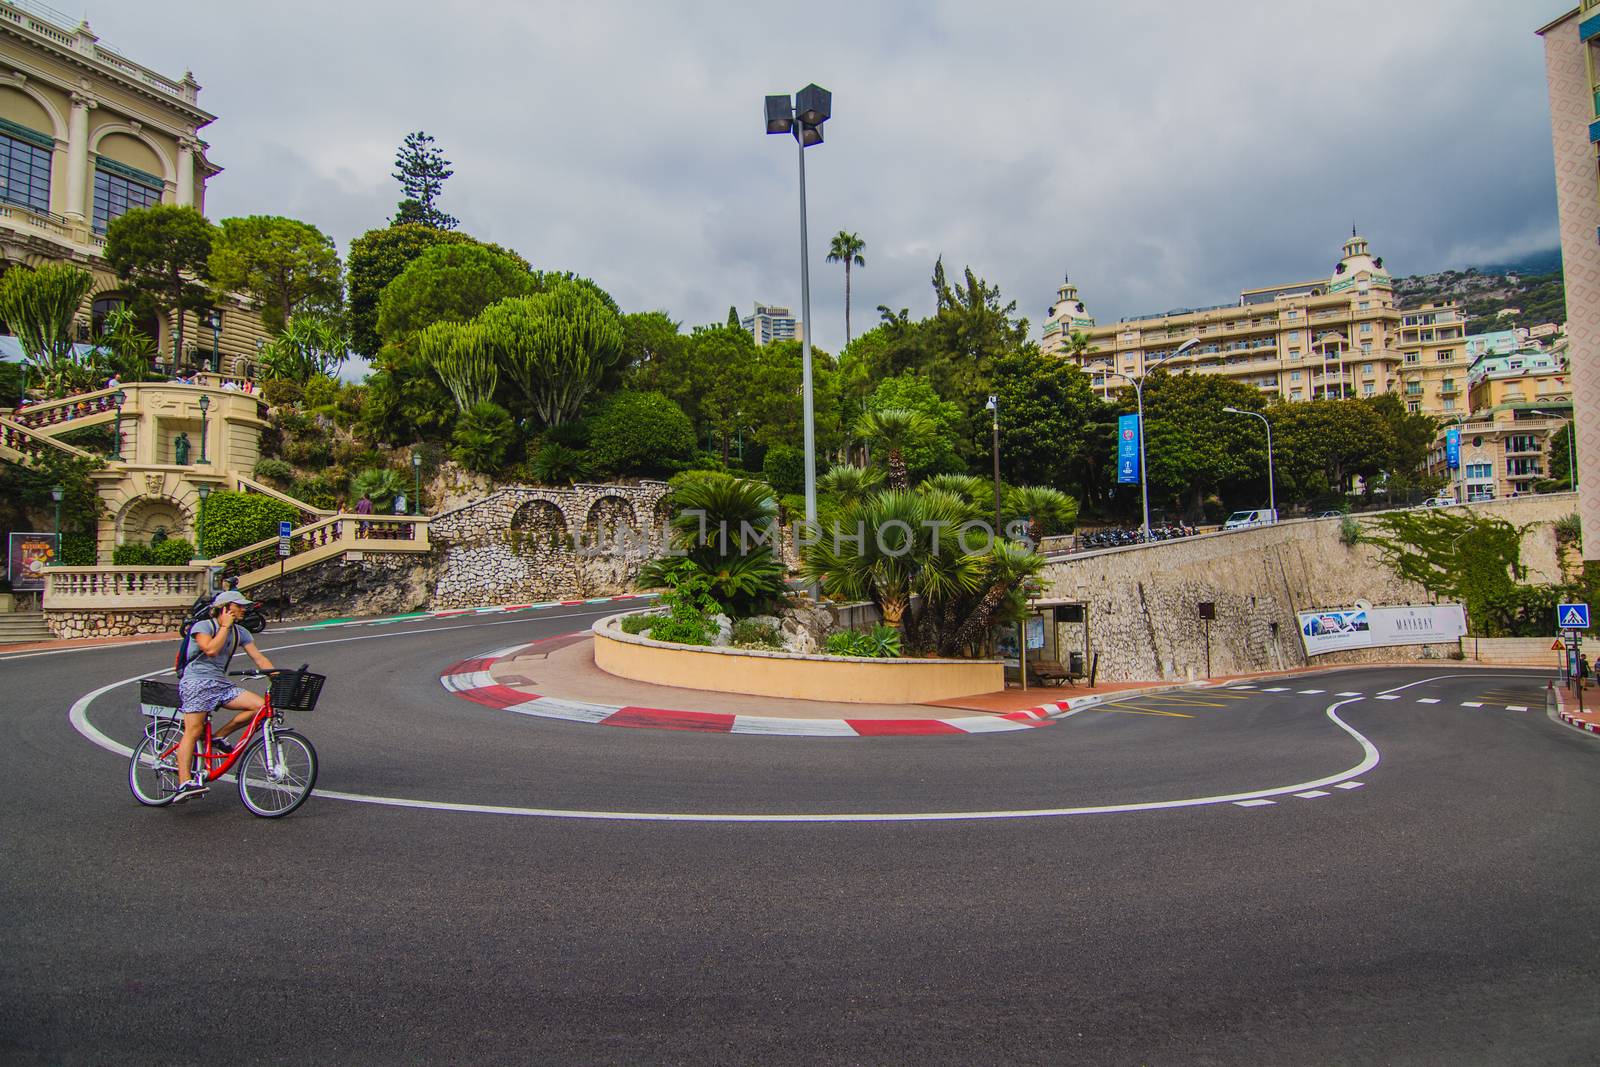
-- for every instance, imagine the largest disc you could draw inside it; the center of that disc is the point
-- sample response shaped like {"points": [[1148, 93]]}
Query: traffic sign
{"points": [[285, 528], [1572, 616], [283, 539], [1557, 646]]}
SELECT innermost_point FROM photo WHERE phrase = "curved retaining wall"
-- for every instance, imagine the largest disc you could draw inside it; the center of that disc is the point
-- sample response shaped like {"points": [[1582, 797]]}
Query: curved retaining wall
{"points": [[787, 674]]}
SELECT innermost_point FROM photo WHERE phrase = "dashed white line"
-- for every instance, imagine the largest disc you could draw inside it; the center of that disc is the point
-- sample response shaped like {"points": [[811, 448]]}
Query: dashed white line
{"points": [[1427, 700], [1253, 803], [1347, 694], [1350, 785], [1240, 688], [1472, 703], [1277, 689], [1516, 707], [1311, 794], [1387, 696], [1311, 692]]}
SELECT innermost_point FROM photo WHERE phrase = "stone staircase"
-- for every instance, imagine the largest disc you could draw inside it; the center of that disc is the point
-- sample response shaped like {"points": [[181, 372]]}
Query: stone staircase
{"points": [[23, 627]]}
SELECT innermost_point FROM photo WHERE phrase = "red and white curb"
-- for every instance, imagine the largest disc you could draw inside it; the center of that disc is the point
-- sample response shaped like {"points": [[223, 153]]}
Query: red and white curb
{"points": [[471, 680], [1581, 724]]}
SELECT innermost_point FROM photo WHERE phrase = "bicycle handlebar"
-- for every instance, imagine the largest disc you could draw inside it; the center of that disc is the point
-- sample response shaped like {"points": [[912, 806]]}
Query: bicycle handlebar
{"points": [[256, 672]]}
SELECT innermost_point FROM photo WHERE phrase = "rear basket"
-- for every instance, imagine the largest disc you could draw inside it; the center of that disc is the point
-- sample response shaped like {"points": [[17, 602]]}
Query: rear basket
{"points": [[158, 699], [297, 691]]}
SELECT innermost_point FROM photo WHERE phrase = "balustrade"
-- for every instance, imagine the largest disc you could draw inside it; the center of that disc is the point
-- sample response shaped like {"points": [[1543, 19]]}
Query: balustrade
{"points": [[67, 587]]}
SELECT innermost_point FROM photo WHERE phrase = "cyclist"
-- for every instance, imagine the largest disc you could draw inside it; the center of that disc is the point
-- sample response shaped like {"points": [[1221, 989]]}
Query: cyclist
{"points": [[205, 687]]}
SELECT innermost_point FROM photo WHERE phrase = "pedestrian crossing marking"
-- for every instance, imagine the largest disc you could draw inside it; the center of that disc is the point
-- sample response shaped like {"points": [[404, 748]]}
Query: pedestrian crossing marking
{"points": [[1472, 703]]}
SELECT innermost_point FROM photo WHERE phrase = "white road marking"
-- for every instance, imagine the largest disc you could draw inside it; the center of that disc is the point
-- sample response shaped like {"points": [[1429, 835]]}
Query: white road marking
{"points": [[1309, 692], [1277, 689], [1472, 703], [1387, 696], [1240, 688], [1253, 803], [1350, 785], [1427, 700], [78, 716], [1311, 794], [1347, 694], [1516, 707]]}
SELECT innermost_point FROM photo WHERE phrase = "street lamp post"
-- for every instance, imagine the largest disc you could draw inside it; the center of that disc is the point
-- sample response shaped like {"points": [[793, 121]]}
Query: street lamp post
{"points": [[118, 398], [1138, 392], [205, 404], [803, 118], [1572, 459], [1272, 493], [214, 320], [200, 525], [57, 492], [416, 469], [994, 406]]}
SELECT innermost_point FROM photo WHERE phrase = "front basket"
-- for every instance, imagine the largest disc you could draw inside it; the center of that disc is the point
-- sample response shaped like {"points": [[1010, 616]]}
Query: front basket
{"points": [[158, 699], [297, 691]]}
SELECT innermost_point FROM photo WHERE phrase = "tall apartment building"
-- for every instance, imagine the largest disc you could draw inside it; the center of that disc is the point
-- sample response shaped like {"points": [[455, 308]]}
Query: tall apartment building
{"points": [[771, 323], [87, 134], [1572, 69], [1340, 336]]}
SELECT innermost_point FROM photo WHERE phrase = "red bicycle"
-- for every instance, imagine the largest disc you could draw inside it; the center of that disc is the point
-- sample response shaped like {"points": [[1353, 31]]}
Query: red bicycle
{"points": [[276, 767]]}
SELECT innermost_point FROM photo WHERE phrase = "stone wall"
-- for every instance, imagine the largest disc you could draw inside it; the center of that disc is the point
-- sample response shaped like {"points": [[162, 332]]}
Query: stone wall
{"points": [[103, 622], [355, 584], [1141, 601], [526, 544]]}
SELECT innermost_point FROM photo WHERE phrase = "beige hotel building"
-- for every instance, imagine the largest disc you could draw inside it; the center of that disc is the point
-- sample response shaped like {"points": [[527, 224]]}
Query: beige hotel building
{"points": [[85, 135], [1343, 335]]}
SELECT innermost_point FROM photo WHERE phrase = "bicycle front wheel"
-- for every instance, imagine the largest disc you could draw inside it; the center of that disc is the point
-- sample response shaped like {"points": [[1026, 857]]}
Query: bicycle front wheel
{"points": [[153, 768], [272, 790]]}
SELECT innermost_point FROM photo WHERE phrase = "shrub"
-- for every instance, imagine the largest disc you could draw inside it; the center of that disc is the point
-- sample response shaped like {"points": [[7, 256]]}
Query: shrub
{"points": [[571, 434], [234, 520], [880, 642], [682, 631], [173, 552], [321, 391], [311, 450], [482, 438], [319, 490], [79, 550], [275, 471], [281, 392], [750, 634], [378, 484], [785, 468], [132, 554], [641, 433], [689, 606], [1349, 531], [557, 465], [638, 624]]}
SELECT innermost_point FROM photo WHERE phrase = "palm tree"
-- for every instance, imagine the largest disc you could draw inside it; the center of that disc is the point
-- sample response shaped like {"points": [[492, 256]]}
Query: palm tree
{"points": [[1046, 510], [850, 485], [846, 248], [1078, 344], [1008, 566], [894, 430]]}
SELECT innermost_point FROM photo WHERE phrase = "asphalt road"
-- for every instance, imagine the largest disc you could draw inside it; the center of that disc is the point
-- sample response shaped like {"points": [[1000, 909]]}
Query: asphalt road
{"points": [[1437, 912]]}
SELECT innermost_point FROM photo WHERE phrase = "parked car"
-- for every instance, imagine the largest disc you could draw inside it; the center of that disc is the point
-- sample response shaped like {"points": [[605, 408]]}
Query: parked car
{"points": [[1244, 520], [1439, 502], [1331, 513]]}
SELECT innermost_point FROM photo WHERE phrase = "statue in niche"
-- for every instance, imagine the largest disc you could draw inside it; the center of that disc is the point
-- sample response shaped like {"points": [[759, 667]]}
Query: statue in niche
{"points": [[180, 450]]}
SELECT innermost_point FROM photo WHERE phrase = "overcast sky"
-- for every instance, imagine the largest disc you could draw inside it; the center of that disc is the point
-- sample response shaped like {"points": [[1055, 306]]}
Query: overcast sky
{"points": [[1164, 154]]}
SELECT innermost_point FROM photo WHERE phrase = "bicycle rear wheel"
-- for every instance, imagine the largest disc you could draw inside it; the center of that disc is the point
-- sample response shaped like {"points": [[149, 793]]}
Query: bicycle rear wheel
{"points": [[153, 768], [274, 795]]}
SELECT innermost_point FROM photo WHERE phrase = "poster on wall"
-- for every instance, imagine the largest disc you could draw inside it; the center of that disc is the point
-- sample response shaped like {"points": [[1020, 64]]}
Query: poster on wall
{"points": [[28, 556], [1337, 629]]}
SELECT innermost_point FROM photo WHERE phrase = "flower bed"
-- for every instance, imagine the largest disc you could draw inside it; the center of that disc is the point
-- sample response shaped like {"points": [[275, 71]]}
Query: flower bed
{"points": [[788, 674]]}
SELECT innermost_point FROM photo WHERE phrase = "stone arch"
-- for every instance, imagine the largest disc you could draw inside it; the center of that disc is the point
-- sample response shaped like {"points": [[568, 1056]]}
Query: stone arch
{"points": [[58, 126], [610, 517], [539, 522], [169, 170], [140, 517]]}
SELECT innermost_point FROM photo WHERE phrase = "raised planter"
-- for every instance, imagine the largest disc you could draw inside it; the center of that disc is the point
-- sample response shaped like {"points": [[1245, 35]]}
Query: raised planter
{"points": [[848, 679]]}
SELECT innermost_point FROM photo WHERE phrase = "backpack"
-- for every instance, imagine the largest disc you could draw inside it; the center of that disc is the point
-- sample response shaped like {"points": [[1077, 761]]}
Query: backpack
{"points": [[254, 620]]}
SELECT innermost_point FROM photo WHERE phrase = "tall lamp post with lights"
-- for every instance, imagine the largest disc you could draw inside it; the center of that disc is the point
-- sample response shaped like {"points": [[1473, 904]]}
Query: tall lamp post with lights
{"points": [[200, 526], [57, 493], [1272, 493], [1138, 392], [205, 405], [119, 398], [214, 320], [994, 406], [802, 118], [416, 469]]}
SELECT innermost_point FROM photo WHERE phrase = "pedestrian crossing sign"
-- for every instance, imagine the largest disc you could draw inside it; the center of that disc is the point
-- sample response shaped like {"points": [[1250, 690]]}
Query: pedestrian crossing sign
{"points": [[1573, 616]]}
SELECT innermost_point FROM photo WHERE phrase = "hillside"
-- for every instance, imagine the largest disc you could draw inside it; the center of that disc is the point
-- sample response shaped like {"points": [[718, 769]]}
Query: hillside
{"points": [[1533, 286]]}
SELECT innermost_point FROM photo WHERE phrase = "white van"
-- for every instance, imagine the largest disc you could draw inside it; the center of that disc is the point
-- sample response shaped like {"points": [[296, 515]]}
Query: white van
{"points": [[1244, 520]]}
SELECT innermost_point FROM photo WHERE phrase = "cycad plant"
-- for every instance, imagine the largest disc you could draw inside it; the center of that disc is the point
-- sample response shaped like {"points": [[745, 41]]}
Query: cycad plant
{"points": [[849, 485], [969, 487], [1046, 511], [40, 308], [894, 430], [725, 529]]}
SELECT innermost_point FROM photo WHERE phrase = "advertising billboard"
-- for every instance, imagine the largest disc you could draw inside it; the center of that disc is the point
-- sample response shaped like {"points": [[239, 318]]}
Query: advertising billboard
{"points": [[1128, 450], [1452, 448], [1337, 629], [28, 555]]}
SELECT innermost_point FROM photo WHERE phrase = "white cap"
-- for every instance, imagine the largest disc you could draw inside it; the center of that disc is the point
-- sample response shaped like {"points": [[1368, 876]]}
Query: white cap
{"points": [[232, 596]]}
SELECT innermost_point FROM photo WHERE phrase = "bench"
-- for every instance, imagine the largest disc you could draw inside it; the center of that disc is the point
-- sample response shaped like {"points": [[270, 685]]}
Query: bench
{"points": [[1050, 672]]}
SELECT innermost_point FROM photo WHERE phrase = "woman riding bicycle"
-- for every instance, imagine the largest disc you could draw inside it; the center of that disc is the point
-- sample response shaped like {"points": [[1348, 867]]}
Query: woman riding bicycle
{"points": [[204, 686]]}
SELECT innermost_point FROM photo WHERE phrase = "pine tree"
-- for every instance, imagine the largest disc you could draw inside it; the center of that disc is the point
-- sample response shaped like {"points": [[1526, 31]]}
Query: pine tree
{"points": [[733, 317], [421, 170]]}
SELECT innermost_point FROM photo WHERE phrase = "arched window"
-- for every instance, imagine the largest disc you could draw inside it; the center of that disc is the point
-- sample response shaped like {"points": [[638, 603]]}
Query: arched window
{"points": [[105, 304]]}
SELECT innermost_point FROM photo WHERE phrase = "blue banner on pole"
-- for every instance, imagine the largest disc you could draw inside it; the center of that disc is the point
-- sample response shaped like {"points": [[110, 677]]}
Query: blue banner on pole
{"points": [[1128, 450], [1452, 448]]}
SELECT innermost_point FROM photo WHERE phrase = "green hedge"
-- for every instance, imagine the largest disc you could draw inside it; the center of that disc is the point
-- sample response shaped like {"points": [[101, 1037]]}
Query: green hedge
{"points": [[641, 433], [233, 520], [173, 552]]}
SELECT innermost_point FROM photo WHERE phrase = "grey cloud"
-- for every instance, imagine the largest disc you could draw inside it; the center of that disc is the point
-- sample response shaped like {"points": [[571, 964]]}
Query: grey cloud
{"points": [[1166, 155]]}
